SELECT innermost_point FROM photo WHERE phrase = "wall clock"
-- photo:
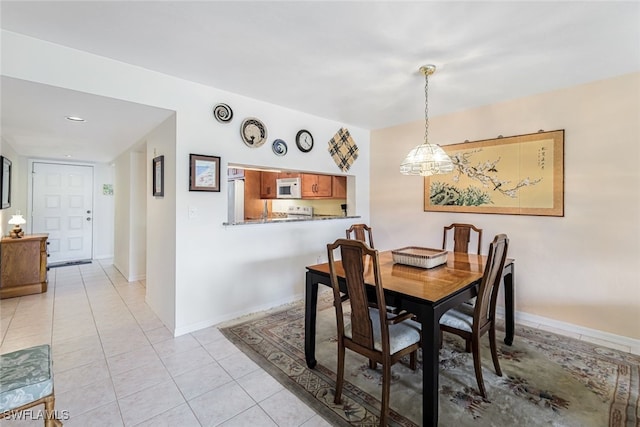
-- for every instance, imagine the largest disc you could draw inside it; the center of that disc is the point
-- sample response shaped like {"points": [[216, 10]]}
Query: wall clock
{"points": [[304, 140], [253, 132]]}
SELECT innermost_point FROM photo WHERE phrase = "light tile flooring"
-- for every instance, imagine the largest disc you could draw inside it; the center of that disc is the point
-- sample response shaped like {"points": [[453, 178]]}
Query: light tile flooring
{"points": [[115, 364]]}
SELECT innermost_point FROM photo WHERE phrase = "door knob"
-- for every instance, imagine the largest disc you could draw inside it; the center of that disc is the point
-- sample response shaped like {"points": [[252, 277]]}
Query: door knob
{"points": [[88, 219], [88, 212]]}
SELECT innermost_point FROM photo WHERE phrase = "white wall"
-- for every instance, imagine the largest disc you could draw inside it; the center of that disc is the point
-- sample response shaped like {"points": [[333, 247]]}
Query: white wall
{"points": [[122, 213], [161, 226], [214, 273], [580, 269], [138, 203], [103, 212]]}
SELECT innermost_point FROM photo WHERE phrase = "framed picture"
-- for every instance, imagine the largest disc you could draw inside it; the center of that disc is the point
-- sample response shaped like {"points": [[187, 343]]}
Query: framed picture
{"points": [[518, 175], [204, 173], [158, 176], [5, 183]]}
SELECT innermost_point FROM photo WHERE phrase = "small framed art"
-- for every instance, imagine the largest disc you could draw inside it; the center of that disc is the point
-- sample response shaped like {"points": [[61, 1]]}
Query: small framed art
{"points": [[204, 173], [158, 176], [5, 183]]}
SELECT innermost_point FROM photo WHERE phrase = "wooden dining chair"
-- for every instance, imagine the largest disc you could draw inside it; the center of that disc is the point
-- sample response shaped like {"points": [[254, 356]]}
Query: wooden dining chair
{"points": [[380, 336], [462, 237], [472, 322], [357, 232]]}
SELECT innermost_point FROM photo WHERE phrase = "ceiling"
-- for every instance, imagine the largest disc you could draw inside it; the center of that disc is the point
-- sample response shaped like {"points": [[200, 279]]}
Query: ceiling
{"points": [[353, 62]]}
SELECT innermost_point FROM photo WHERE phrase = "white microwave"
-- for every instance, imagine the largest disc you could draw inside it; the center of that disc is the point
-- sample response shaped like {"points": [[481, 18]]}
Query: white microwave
{"points": [[288, 188]]}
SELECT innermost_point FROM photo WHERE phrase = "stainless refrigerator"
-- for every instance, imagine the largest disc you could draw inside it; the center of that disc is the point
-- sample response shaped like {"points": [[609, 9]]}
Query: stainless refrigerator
{"points": [[236, 200]]}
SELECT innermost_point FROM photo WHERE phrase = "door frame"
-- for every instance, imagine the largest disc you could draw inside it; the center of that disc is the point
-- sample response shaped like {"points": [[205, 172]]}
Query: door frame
{"points": [[30, 163]]}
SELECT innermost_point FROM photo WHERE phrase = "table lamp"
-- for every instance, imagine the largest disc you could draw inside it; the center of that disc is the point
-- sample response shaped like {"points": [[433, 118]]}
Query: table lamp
{"points": [[17, 221]]}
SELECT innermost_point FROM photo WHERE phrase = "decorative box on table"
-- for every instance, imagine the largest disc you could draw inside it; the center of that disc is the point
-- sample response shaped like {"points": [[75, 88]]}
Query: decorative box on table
{"points": [[419, 257]]}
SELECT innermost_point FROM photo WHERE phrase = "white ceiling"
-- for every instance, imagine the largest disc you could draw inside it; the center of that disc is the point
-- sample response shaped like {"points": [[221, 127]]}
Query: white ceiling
{"points": [[353, 62]]}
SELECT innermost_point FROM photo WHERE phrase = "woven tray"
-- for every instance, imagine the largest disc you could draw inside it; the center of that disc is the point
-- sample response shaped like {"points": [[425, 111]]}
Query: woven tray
{"points": [[419, 257]]}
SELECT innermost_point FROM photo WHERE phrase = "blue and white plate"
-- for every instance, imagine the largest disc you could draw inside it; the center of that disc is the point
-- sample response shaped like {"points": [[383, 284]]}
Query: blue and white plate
{"points": [[279, 147]]}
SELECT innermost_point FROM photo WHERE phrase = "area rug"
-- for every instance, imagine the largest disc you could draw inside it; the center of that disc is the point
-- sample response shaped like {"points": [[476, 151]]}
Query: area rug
{"points": [[548, 379]]}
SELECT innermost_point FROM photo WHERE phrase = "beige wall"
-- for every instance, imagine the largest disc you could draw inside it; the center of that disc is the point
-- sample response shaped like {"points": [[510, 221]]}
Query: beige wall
{"points": [[581, 268]]}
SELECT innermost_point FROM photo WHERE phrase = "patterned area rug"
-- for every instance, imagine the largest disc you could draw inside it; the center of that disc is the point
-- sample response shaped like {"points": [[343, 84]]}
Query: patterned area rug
{"points": [[547, 379]]}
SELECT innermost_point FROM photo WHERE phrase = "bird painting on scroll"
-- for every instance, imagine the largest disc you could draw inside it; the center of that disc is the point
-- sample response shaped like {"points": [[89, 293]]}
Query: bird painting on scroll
{"points": [[509, 175]]}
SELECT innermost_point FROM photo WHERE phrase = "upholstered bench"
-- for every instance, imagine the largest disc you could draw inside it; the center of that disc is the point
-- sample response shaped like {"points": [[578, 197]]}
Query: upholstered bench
{"points": [[26, 380]]}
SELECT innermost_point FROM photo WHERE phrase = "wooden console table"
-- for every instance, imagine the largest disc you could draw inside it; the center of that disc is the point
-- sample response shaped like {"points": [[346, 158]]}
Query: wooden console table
{"points": [[23, 265]]}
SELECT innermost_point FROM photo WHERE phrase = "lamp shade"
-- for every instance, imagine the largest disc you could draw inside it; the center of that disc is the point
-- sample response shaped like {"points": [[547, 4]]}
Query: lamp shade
{"points": [[426, 160], [17, 220]]}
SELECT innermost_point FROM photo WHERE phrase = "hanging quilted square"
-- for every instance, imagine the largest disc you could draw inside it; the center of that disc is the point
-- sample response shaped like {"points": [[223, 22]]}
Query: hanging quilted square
{"points": [[343, 149]]}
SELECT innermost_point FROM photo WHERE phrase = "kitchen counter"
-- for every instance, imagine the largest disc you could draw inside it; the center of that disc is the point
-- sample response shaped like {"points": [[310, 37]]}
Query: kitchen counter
{"points": [[281, 219]]}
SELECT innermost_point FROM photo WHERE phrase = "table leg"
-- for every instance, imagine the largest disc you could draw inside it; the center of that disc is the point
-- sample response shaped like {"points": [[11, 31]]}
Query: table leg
{"points": [[310, 311], [509, 305], [430, 366]]}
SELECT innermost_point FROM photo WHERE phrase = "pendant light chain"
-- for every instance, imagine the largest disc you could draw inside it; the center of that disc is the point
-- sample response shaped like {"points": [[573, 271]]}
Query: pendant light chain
{"points": [[426, 107]]}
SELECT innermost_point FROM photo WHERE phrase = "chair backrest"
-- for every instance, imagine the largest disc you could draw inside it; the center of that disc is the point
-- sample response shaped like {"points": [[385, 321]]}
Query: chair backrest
{"points": [[357, 232], [356, 257], [488, 293], [462, 237]]}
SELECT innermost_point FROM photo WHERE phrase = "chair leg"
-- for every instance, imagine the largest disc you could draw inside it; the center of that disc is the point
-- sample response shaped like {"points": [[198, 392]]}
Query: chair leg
{"points": [[477, 365], [49, 413], [494, 350], [386, 390], [339, 375], [413, 360], [372, 364]]}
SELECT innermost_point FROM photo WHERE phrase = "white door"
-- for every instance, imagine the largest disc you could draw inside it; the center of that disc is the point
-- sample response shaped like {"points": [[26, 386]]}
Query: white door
{"points": [[62, 206]]}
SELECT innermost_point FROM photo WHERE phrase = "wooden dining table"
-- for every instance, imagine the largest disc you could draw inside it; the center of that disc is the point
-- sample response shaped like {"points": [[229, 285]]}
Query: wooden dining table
{"points": [[428, 294]]}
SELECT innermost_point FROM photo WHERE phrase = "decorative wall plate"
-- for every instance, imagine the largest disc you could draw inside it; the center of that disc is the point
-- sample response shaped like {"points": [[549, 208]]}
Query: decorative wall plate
{"points": [[343, 149], [223, 113], [279, 147], [253, 132]]}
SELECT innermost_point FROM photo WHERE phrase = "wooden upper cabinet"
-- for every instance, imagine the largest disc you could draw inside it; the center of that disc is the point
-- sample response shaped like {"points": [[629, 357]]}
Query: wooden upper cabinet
{"points": [[268, 185], [289, 175], [316, 186], [339, 187]]}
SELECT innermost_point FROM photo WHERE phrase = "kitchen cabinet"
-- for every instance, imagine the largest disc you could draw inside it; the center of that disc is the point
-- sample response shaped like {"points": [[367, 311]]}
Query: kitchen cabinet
{"points": [[268, 185], [316, 186], [253, 206], [289, 175], [23, 265], [339, 187]]}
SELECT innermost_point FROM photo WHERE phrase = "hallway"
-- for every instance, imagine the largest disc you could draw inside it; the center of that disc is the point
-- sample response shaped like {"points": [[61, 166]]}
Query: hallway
{"points": [[115, 363]]}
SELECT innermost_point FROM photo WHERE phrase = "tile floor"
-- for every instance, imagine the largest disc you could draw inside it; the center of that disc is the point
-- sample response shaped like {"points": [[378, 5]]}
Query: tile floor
{"points": [[115, 363]]}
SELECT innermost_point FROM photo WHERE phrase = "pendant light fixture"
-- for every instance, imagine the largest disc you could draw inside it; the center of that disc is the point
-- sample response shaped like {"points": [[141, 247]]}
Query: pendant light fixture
{"points": [[426, 159]]}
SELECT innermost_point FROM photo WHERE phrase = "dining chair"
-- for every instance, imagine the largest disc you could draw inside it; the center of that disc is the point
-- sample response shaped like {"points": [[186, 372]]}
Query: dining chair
{"points": [[376, 334], [472, 322], [357, 232], [462, 237]]}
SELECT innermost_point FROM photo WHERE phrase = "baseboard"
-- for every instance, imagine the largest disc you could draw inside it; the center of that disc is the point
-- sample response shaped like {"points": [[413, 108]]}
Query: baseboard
{"points": [[571, 328], [231, 316]]}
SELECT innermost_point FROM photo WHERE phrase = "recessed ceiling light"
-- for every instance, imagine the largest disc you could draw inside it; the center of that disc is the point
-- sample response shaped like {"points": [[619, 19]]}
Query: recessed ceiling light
{"points": [[75, 119], [68, 156]]}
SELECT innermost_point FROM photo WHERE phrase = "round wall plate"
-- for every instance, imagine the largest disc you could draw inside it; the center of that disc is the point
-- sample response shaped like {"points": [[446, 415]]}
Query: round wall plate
{"points": [[253, 132], [223, 113], [279, 147]]}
